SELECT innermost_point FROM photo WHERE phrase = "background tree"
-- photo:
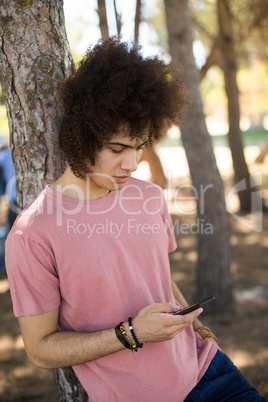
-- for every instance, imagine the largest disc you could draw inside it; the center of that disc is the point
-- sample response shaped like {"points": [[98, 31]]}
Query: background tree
{"points": [[214, 255], [226, 55], [229, 66], [249, 31], [34, 58], [103, 19], [236, 31]]}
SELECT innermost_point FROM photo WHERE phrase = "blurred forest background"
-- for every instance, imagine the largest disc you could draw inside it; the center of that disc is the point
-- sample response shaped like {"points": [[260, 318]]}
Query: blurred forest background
{"points": [[242, 332], [250, 26]]}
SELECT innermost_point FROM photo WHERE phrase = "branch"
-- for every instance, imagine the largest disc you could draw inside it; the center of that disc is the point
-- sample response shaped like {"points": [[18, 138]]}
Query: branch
{"points": [[214, 58], [118, 18], [202, 29], [137, 22]]}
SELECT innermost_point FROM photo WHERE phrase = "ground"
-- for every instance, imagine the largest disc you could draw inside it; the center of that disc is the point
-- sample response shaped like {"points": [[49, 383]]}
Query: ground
{"points": [[242, 333]]}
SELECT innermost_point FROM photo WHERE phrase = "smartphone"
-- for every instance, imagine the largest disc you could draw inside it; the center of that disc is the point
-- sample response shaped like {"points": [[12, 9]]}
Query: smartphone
{"points": [[193, 307]]}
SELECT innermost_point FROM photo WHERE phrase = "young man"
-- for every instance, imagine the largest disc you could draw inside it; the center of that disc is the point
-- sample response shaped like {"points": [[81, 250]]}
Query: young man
{"points": [[92, 250]]}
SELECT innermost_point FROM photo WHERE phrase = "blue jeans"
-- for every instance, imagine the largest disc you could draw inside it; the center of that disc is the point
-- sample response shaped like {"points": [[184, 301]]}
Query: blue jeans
{"points": [[223, 382]]}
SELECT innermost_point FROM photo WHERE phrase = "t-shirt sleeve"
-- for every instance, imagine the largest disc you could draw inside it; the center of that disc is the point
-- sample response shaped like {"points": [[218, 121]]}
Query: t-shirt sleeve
{"points": [[172, 244], [33, 280]]}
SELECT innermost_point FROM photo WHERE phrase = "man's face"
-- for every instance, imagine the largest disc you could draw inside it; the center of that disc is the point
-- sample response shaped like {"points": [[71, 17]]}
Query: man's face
{"points": [[115, 163]]}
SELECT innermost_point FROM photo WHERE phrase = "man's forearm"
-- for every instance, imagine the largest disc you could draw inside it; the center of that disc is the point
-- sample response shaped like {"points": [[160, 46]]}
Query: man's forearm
{"points": [[61, 349], [49, 348]]}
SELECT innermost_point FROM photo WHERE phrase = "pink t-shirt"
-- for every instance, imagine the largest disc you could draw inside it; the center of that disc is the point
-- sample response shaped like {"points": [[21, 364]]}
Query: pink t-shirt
{"points": [[100, 262]]}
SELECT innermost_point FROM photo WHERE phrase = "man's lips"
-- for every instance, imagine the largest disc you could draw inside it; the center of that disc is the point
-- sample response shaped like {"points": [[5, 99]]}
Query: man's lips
{"points": [[122, 178]]}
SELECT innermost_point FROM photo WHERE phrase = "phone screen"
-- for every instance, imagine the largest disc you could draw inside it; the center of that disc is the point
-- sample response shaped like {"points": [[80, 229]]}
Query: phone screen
{"points": [[195, 306]]}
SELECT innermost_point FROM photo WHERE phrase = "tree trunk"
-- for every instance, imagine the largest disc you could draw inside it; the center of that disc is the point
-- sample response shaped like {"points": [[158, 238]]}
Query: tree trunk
{"points": [[69, 387], [241, 172], [214, 255], [137, 22], [103, 19], [34, 58]]}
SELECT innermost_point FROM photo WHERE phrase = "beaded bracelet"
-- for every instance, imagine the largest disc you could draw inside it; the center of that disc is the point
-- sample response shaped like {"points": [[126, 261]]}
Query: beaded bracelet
{"points": [[139, 345], [203, 328], [207, 334], [124, 339], [210, 335], [120, 337]]}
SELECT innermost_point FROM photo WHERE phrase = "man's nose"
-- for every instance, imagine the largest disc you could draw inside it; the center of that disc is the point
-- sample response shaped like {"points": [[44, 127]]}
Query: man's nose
{"points": [[130, 162]]}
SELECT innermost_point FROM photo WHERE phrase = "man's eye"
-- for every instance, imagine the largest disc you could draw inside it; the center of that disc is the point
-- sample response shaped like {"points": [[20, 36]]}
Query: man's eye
{"points": [[116, 151]]}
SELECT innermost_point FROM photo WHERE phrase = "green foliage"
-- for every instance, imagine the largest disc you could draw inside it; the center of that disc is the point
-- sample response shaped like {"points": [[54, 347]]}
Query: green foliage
{"points": [[25, 3], [253, 136], [249, 138]]}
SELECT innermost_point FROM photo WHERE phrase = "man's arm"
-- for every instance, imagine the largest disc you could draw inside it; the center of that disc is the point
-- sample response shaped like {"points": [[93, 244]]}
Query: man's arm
{"points": [[49, 348]]}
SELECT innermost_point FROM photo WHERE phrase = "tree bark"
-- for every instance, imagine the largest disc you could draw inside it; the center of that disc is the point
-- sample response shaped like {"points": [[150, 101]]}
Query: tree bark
{"points": [[69, 387], [103, 19], [214, 254], [34, 58], [241, 172]]}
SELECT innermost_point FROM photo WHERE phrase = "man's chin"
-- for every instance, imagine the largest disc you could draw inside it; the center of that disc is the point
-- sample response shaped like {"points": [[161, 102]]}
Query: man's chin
{"points": [[117, 186]]}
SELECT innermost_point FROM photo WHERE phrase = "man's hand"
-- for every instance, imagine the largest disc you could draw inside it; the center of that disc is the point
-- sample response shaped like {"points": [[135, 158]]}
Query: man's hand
{"points": [[154, 323]]}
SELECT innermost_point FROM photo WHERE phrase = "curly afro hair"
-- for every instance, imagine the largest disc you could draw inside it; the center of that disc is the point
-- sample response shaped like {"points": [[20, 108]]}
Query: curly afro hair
{"points": [[116, 86]]}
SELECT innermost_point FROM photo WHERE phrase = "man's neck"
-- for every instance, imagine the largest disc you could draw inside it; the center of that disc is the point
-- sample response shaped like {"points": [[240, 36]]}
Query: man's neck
{"points": [[73, 187]]}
